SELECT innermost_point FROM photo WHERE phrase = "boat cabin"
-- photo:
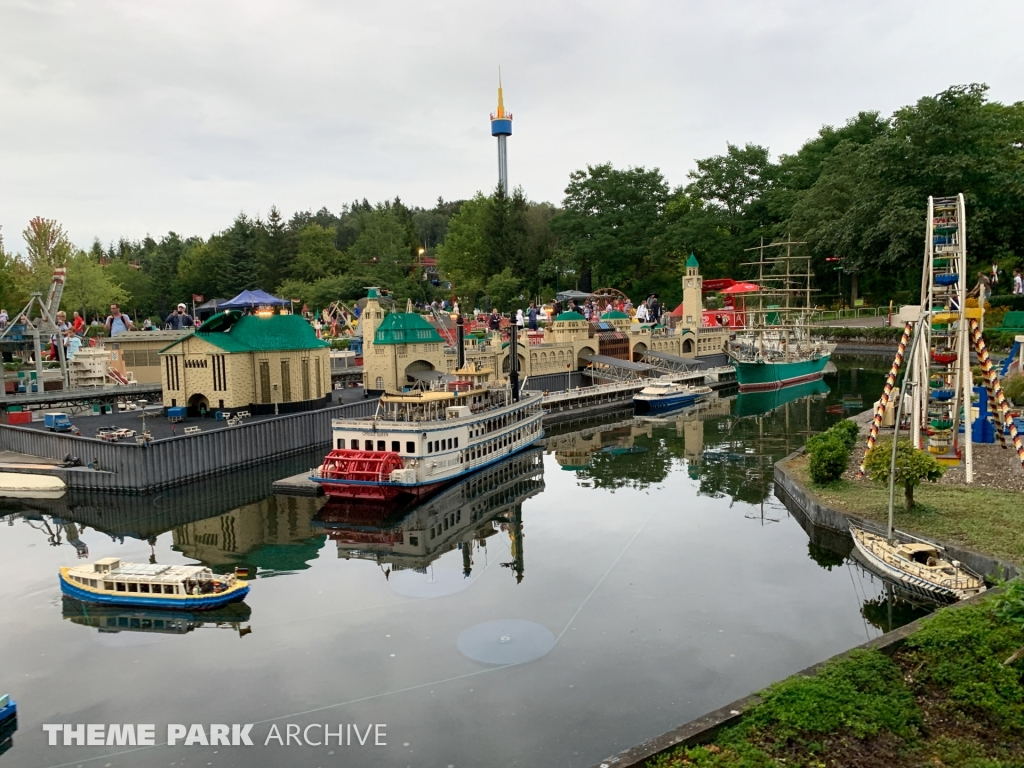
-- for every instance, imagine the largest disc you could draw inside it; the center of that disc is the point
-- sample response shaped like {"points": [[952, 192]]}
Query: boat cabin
{"points": [[916, 552], [109, 574]]}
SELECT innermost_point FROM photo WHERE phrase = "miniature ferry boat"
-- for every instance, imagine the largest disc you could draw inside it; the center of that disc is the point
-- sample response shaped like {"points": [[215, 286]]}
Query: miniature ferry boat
{"points": [[668, 396], [916, 566], [418, 441], [181, 587]]}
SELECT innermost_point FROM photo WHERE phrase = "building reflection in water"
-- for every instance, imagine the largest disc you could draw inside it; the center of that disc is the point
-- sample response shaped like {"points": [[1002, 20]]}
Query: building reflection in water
{"points": [[270, 536], [111, 619], [462, 517]]}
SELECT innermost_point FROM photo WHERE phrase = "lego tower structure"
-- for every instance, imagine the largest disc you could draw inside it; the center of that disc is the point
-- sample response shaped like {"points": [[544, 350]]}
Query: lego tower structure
{"points": [[501, 127]]}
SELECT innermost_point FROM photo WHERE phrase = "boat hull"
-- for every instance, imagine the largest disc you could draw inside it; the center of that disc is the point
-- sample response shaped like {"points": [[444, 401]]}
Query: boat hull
{"points": [[372, 490], [912, 584], [765, 375], [170, 602], [666, 403]]}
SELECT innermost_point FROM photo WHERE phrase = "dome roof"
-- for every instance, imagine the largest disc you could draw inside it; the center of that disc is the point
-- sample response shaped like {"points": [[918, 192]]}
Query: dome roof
{"points": [[568, 317], [615, 315]]}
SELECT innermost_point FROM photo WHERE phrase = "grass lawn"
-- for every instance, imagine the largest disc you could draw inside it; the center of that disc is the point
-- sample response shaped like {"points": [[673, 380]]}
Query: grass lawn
{"points": [[985, 520], [945, 698]]}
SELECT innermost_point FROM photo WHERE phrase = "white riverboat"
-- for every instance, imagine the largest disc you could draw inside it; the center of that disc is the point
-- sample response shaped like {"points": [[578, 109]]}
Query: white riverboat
{"points": [[419, 440]]}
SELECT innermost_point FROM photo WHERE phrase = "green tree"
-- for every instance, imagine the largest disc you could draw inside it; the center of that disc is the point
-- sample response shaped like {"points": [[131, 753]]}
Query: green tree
{"points": [[612, 221], [503, 288], [47, 247], [274, 256], [463, 256], [89, 287], [868, 203], [913, 466], [317, 256], [242, 272], [13, 278], [382, 251], [202, 269]]}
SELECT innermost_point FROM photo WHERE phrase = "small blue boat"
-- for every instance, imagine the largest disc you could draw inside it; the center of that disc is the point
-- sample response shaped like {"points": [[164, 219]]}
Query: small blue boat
{"points": [[660, 396], [8, 721], [178, 587]]}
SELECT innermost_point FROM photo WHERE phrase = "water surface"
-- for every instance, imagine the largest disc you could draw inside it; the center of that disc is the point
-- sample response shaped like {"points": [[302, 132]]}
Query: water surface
{"points": [[579, 599]]}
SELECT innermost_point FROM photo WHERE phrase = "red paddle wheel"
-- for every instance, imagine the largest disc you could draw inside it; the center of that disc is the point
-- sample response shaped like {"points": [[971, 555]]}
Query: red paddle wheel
{"points": [[361, 467]]}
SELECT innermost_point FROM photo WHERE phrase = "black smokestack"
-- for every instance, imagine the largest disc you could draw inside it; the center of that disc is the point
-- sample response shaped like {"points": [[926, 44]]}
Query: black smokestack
{"points": [[460, 340], [513, 361]]}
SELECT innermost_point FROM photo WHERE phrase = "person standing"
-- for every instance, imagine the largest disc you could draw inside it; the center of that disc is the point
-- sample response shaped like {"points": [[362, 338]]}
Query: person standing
{"points": [[78, 323], [531, 314], [642, 315], [4, 318], [118, 322], [179, 319], [494, 320], [982, 290], [1018, 283], [520, 320]]}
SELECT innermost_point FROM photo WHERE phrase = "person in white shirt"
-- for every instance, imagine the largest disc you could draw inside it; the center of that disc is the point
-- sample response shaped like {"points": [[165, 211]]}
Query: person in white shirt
{"points": [[642, 314], [520, 320], [1018, 282]]}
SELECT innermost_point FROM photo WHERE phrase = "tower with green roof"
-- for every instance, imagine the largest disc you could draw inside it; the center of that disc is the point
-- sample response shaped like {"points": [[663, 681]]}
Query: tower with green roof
{"points": [[693, 297]]}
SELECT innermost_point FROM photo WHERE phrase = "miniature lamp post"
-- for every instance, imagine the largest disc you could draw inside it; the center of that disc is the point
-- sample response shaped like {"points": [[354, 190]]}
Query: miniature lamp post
{"points": [[274, 388]]}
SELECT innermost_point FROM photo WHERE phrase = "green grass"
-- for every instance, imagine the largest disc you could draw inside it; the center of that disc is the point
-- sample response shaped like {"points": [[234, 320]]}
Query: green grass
{"points": [[985, 520], [944, 699]]}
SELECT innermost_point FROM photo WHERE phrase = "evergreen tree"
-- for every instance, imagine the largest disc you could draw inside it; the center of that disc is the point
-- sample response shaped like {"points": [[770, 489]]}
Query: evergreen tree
{"points": [[242, 272]]}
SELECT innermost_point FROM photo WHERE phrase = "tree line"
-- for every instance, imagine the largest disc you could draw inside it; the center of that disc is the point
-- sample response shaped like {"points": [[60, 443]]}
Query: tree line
{"points": [[856, 194]]}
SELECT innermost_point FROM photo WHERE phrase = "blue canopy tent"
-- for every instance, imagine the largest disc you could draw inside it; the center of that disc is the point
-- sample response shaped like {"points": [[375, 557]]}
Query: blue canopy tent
{"points": [[255, 298]]}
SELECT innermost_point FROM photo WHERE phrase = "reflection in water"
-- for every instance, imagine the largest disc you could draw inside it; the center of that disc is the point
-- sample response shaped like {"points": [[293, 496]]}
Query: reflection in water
{"points": [[109, 618], [760, 403], [271, 536], [461, 517]]}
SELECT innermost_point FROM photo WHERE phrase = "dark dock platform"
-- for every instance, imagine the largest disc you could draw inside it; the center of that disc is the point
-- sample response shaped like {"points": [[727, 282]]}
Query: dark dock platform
{"points": [[297, 485]]}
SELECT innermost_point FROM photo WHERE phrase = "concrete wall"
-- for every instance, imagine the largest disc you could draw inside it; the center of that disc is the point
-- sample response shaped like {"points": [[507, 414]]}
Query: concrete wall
{"points": [[164, 463]]}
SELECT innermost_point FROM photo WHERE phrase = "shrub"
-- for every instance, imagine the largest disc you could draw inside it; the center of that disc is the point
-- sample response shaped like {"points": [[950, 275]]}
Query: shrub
{"points": [[848, 431], [912, 466], [1013, 388], [828, 457]]}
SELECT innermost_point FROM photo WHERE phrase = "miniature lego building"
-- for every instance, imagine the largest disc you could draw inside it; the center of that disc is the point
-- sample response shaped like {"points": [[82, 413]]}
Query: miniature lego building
{"points": [[263, 365]]}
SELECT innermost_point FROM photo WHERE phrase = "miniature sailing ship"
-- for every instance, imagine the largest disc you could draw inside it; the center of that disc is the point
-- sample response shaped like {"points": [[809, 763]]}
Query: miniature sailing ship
{"points": [[775, 349], [183, 587]]}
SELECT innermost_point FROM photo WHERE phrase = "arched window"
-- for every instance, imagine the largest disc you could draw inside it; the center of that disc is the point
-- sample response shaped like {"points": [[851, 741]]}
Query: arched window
{"points": [[380, 382]]}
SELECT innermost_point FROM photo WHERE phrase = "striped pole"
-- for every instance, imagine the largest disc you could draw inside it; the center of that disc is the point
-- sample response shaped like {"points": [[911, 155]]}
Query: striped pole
{"points": [[992, 408], [890, 382], [986, 367]]}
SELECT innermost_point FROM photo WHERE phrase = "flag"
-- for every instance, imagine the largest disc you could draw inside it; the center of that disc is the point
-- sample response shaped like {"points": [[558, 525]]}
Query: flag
{"points": [[197, 298]]}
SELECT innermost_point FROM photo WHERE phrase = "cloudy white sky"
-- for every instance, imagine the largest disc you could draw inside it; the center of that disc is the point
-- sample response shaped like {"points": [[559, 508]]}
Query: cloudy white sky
{"points": [[122, 118]]}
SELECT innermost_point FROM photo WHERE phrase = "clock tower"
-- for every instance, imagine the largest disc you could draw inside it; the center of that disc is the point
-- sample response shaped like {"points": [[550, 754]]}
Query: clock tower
{"points": [[693, 301]]}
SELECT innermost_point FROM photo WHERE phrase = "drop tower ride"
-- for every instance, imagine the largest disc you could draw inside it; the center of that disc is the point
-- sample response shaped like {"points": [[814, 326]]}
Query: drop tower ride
{"points": [[501, 127]]}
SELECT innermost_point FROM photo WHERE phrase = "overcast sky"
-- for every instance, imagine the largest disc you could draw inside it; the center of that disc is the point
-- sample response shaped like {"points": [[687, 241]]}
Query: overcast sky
{"points": [[142, 116]]}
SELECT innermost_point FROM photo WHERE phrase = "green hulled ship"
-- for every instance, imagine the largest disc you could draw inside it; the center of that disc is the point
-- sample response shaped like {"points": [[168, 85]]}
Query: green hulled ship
{"points": [[774, 350], [765, 374]]}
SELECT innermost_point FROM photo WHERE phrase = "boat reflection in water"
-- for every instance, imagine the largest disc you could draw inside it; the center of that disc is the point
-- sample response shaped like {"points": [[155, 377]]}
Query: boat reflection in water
{"points": [[109, 618], [462, 517], [758, 403]]}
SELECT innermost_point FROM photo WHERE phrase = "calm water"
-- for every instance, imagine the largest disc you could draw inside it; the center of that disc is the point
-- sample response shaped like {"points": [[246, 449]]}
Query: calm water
{"points": [[579, 599]]}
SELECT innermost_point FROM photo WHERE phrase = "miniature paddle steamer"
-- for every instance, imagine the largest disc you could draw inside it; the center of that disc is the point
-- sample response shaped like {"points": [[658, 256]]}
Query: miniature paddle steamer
{"points": [[420, 440]]}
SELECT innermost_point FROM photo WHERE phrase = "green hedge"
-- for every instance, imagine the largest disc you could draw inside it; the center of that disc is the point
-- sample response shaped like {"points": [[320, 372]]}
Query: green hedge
{"points": [[880, 334], [1015, 303], [829, 452]]}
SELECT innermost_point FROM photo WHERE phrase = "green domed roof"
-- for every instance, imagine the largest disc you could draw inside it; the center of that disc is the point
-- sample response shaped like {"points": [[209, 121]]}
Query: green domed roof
{"points": [[568, 317], [615, 315]]}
